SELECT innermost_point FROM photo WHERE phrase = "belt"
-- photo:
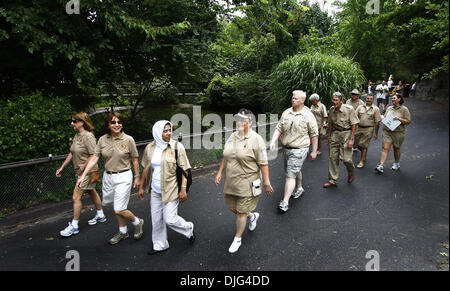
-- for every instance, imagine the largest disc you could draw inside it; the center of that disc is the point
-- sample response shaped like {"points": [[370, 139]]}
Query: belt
{"points": [[289, 148], [343, 129], [109, 172], [365, 126]]}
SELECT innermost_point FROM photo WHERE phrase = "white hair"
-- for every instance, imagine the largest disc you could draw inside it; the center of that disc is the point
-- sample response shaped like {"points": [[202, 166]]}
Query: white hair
{"points": [[314, 97], [301, 94]]}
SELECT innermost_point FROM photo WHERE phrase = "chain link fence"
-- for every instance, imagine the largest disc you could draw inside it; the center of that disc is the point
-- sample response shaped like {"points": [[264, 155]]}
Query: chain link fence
{"points": [[29, 183]]}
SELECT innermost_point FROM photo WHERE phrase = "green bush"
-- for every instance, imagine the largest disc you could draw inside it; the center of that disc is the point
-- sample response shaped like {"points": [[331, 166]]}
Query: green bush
{"points": [[233, 92], [33, 126], [313, 73]]}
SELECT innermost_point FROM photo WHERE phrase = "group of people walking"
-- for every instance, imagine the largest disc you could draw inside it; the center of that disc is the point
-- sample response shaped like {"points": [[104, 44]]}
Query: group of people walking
{"points": [[385, 90], [244, 164]]}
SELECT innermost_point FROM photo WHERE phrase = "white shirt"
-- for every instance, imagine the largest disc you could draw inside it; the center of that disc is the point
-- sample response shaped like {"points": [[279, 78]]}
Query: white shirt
{"points": [[390, 84], [381, 91], [156, 167]]}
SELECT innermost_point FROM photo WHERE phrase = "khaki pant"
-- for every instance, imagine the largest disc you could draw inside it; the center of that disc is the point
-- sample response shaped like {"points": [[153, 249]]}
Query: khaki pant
{"points": [[338, 151]]}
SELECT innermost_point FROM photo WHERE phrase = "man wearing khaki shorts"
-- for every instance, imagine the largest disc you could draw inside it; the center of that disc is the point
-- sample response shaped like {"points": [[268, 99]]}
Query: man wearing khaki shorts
{"points": [[369, 118], [298, 130]]}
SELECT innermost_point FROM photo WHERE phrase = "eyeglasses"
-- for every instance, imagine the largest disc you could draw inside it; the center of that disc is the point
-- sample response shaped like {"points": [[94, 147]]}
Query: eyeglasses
{"points": [[75, 121], [115, 122]]}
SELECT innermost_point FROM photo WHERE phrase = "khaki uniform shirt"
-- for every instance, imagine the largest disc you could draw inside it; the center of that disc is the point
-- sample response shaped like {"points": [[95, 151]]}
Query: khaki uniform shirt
{"points": [[297, 128], [83, 146], [116, 153], [354, 104], [343, 118], [320, 112], [402, 112], [243, 157], [169, 185], [368, 117]]}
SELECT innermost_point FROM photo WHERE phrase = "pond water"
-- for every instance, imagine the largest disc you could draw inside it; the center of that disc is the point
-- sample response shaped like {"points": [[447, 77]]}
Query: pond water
{"points": [[141, 127]]}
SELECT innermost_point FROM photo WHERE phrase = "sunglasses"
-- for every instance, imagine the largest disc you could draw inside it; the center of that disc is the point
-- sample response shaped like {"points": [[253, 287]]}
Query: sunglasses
{"points": [[75, 121], [115, 122]]}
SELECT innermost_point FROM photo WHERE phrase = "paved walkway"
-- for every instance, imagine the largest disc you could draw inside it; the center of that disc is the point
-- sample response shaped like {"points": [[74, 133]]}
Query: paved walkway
{"points": [[401, 215]]}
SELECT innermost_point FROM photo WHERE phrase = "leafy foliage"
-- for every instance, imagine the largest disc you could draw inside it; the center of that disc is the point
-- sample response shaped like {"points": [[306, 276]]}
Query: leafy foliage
{"points": [[34, 126], [408, 38], [313, 73], [240, 90]]}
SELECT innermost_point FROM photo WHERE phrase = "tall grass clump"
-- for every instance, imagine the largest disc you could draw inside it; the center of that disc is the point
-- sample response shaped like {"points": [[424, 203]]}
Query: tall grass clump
{"points": [[313, 73]]}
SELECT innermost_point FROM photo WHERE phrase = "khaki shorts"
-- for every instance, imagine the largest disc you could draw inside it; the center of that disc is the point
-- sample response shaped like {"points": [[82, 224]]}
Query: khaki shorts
{"points": [[363, 136], [394, 137], [85, 185], [242, 204], [322, 132]]}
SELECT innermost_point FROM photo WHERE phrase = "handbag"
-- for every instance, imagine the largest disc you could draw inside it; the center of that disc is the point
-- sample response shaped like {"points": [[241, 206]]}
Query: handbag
{"points": [[256, 187], [94, 176], [179, 172]]}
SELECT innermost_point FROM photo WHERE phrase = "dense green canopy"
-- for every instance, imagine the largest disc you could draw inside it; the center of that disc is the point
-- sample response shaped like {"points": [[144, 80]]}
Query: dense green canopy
{"points": [[117, 52]]}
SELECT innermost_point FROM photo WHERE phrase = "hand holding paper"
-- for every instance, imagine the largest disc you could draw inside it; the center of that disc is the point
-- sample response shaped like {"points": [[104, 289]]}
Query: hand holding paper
{"points": [[390, 122]]}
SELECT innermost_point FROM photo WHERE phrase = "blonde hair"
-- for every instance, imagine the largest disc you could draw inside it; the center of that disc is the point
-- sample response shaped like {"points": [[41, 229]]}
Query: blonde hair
{"points": [[87, 122], [301, 94]]}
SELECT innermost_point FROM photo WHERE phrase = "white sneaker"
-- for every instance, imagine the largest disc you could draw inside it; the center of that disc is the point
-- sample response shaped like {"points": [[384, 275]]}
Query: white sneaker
{"points": [[395, 166], [96, 219], [235, 245], [379, 169], [252, 224], [69, 230], [298, 193], [284, 206]]}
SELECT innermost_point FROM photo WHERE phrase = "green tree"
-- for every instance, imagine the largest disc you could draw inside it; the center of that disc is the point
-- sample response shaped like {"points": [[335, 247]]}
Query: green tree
{"points": [[408, 38], [109, 42]]}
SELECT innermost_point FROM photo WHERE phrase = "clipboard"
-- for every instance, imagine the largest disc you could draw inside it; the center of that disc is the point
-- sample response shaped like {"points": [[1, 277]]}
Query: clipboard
{"points": [[390, 123]]}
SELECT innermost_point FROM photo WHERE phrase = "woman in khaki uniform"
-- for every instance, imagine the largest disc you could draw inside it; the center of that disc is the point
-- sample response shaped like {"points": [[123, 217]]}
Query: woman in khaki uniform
{"points": [[320, 113], [397, 136], [244, 158], [81, 151], [118, 149], [160, 180]]}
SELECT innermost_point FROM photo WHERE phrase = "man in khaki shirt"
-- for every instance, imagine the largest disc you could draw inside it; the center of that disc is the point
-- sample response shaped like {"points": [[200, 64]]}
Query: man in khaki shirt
{"points": [[354, 101], [298, 130], [343, 121], [369, 118]]}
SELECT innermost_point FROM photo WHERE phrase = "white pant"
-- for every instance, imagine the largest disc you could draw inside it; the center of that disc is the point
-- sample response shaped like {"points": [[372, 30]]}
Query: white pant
{"points": [[166, 215], [116, 189]]}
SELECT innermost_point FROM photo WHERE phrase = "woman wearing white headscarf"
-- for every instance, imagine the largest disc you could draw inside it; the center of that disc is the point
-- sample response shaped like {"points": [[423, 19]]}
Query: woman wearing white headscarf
{"points": [[159, 179]]}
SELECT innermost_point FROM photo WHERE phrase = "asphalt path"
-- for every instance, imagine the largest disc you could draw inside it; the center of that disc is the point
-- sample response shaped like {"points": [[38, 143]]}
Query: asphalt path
{"points": [[403, 216]]}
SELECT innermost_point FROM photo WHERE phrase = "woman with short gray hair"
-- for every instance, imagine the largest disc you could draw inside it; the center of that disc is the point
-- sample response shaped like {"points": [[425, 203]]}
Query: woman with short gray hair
{"points": [[244, 160], [320, 113]]}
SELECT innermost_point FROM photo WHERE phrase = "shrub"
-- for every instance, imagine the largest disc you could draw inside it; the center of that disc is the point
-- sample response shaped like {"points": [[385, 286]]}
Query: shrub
{"points": [[233, 92], [313, 73], [34, 126]]}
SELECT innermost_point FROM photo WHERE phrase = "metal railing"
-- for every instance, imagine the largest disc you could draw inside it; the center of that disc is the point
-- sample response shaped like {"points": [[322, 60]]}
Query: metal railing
{"points": [[28, 183]]}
